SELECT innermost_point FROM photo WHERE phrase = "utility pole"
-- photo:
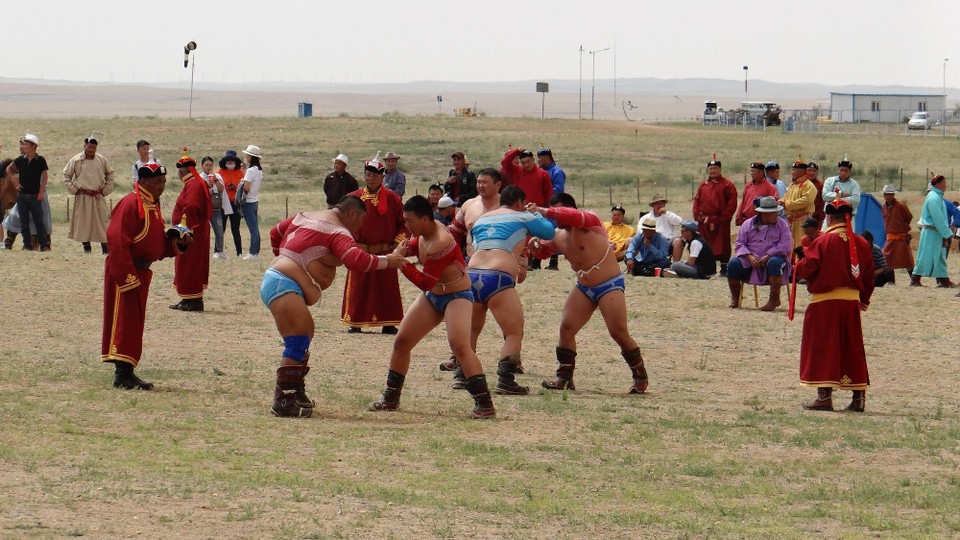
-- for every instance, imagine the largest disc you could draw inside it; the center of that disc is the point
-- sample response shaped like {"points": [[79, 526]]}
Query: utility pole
{"points": [[580, 109], [593, 87]]}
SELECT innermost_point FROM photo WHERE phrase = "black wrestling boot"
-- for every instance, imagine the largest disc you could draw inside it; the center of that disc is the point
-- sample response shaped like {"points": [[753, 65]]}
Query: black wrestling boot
{"points": [[506, 380], [483, 402], [564, 380], [86, 247], [389, 330], [635, 361], [103, 247], [192, 304], [124, 378], [390, 400], [554, 259], [9, 240], [289, 378], [824, 401], [450, 365], [859, 401], [723, 269], [302, 399]]}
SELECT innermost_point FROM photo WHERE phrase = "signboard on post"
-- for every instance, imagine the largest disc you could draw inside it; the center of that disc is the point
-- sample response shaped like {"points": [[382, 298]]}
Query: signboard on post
{"points": [[543, 88]]}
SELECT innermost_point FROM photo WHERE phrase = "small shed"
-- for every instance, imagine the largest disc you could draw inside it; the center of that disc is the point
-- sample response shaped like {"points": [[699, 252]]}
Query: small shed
{"points": [[304, 110], [884, 108]]}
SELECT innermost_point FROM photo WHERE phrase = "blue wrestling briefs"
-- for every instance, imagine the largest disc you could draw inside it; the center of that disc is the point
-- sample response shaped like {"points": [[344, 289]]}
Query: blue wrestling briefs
{"points": [[440, 301], [276, 284], [487, 283], [596, 292]]}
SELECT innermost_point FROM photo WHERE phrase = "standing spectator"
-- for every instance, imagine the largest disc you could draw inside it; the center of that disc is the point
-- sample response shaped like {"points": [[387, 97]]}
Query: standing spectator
{"points": [[145, 155], [798, 202], [757, 187], [339, 182], [394, 180], [838, 268], [813, 175], [953, 216], [848, 186], [811, 231], [532, 180], [231, 171], [700, 263], [713, 208], [29, 176], [251, 184], [89, 179], [192, 210], [619, 233], [897, 222], [558, 179], [772, 170], [221, 205], [934, 235], [136, 236], [461, 184], [446, 209], [667, 223], [648, 251], [881, 274], [434, 194], [373, 299]]}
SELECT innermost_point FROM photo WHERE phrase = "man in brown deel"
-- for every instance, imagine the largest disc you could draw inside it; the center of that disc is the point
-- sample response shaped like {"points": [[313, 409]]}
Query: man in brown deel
{"points": [[896, 221]]}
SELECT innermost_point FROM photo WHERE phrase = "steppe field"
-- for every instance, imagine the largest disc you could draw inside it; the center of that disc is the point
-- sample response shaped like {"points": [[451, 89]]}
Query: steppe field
{"points": [[719, 447]]}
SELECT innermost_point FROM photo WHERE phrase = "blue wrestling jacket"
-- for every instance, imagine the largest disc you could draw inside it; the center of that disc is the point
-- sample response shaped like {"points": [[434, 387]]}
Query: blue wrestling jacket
{"points": [[505, 231]]}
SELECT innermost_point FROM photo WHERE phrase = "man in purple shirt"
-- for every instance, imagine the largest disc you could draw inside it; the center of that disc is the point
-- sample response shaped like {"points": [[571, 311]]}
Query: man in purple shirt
{"points": [[762, 253]]}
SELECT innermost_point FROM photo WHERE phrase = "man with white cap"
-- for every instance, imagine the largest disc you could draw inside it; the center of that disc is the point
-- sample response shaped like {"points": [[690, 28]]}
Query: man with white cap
{"points": [[897, 222], [394, 179], [339, 182], [29, 176], [648, 251], [446, 209], [89, 178]]}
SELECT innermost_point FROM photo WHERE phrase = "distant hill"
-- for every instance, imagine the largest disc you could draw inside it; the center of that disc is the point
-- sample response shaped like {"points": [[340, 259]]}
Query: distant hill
{"points": [[653, 99]]}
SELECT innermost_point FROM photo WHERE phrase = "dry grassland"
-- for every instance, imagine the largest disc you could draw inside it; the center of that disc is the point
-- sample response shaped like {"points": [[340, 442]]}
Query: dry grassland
{"points": [[719, 448]]}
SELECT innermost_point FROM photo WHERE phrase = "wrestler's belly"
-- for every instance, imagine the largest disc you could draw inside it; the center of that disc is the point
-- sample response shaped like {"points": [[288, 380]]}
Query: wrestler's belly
{"points": [[495, 259], [606, 270]]}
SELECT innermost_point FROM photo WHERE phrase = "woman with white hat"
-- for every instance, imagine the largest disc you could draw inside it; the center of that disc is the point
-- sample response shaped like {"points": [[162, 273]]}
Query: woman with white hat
{"points": [[251, 185]]}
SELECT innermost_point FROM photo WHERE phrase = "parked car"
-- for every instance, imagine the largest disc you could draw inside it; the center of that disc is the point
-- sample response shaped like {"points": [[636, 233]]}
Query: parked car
{"points": [[919, 120]]}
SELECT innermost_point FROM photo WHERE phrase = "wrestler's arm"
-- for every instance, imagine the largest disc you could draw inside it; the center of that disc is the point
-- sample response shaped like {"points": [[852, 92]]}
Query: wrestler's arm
{"points": [[277, 233], [355, 259]]}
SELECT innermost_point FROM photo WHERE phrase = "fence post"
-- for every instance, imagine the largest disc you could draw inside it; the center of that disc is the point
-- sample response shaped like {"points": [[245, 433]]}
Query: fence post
{"points": [[583, 194], [901, 178], [68, 210], [611, 194], [638, 190]]}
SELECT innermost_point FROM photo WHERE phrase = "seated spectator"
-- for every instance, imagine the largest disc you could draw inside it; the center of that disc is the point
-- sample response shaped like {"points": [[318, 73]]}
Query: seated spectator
{"points": [[667, 223], [811, 231], [434, 194], [446, 208], [618, 232], [881, 274], [700, 263], [762, 253], [648, 250]]}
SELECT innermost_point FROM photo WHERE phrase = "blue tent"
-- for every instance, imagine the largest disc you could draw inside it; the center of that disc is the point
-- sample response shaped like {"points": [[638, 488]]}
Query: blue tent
{"points": [[870, 218]]}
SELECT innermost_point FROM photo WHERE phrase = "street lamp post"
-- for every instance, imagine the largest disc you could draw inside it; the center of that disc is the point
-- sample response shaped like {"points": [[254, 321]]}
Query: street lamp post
{"points": [[943, 113], [187, 49], [593, 84], [580, 107]]}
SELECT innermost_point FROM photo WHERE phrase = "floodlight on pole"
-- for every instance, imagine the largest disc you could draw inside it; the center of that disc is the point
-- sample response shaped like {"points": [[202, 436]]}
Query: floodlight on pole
{"points": [[745, 71], [190, 46], [943, 113], [593, 84]]}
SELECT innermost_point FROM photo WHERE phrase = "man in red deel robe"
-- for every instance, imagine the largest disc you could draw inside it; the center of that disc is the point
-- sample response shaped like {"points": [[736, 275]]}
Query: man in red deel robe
{"points": [[195, 207], [838, 267], [373, 298], [713, 208], [136, 237]]}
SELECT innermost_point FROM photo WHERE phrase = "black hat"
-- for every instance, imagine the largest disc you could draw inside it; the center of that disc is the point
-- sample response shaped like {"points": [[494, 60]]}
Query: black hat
{"points": [[619, 207], [758, 165], [799, 165], [771, 166], [228, 156], [714, 162], [526, 154], [545, 152], [838, 206], [813, 165], [810, 222], [150, 170], [845, 163]]}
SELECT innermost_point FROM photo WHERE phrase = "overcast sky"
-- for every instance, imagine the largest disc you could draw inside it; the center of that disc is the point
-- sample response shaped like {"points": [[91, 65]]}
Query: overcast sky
{"points": [[358, 41]]}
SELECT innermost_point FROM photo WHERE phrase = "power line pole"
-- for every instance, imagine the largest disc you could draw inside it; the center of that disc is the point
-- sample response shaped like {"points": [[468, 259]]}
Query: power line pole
{"points": [[580, 109]]}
